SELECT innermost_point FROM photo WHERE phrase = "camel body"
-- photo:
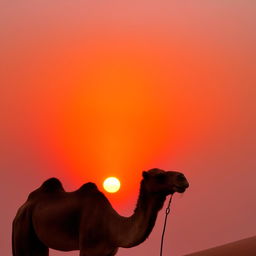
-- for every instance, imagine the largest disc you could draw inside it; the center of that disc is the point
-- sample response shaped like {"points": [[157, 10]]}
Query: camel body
{"points": [[83, 220]]}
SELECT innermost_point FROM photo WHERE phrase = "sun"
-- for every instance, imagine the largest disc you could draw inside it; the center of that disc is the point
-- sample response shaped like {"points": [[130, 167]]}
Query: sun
{"points": [[111, 184]]}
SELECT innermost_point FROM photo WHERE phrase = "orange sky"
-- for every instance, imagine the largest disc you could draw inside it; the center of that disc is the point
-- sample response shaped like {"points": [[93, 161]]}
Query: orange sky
{"points": [[90, 90]]}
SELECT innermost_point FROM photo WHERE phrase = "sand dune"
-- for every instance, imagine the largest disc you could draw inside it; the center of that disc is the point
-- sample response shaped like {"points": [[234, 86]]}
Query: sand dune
{"points": [[244, 247]]}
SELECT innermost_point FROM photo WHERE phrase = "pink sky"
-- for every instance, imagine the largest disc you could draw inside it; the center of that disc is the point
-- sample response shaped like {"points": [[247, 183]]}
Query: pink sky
{"points": [[183, 75]]}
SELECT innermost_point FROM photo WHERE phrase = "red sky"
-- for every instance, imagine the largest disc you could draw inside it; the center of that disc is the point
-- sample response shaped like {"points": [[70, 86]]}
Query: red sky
{"points": [[92, 89]]}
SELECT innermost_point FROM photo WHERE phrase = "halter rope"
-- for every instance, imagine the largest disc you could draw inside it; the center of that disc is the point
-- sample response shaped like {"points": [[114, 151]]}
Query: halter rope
{"points": [[167, 211]]}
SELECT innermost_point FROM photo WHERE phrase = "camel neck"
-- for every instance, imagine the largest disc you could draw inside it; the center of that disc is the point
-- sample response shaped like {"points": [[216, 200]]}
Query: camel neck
{"points": [[138, 226]]}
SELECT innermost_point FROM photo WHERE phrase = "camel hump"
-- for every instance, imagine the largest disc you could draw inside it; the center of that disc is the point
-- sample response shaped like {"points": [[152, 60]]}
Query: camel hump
{"points": [[51, 185], [88, 186]]}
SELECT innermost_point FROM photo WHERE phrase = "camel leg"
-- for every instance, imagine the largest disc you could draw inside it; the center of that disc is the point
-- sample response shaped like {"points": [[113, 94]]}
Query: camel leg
{"points": [[112, 253], [24, 239]]}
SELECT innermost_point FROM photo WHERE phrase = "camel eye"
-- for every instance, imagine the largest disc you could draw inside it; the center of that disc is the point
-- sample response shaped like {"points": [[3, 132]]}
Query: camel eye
{"points": [[160, 178]]}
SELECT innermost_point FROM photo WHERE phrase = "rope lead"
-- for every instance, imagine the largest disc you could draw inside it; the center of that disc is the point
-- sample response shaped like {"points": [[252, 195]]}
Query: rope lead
{"points": [[167, 211]]}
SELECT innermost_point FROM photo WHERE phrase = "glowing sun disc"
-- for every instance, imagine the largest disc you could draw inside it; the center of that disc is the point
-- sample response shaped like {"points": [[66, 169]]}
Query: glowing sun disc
{"points": [[111, 184]]}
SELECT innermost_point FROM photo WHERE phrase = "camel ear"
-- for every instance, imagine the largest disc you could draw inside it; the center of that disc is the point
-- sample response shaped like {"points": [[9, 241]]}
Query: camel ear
{"points": [[145, 175]]}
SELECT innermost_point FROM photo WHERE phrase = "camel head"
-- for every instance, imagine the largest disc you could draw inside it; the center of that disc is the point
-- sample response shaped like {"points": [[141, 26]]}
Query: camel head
{"points": [[164, 182]]}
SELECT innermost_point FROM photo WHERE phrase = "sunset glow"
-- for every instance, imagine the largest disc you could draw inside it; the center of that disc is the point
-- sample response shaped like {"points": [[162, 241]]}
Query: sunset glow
{"points": [[93, 89]]}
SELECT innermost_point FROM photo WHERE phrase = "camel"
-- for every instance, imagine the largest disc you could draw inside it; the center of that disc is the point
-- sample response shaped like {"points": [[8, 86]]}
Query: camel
{"points": [[85, 220]]}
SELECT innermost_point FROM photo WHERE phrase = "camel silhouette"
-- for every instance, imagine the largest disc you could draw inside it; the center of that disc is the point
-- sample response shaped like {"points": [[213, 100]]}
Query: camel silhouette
{"points": [[85, 220]]}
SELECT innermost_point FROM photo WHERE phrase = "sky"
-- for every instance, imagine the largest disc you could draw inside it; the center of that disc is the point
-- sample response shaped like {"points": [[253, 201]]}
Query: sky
{"points": [[91, 89]]}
